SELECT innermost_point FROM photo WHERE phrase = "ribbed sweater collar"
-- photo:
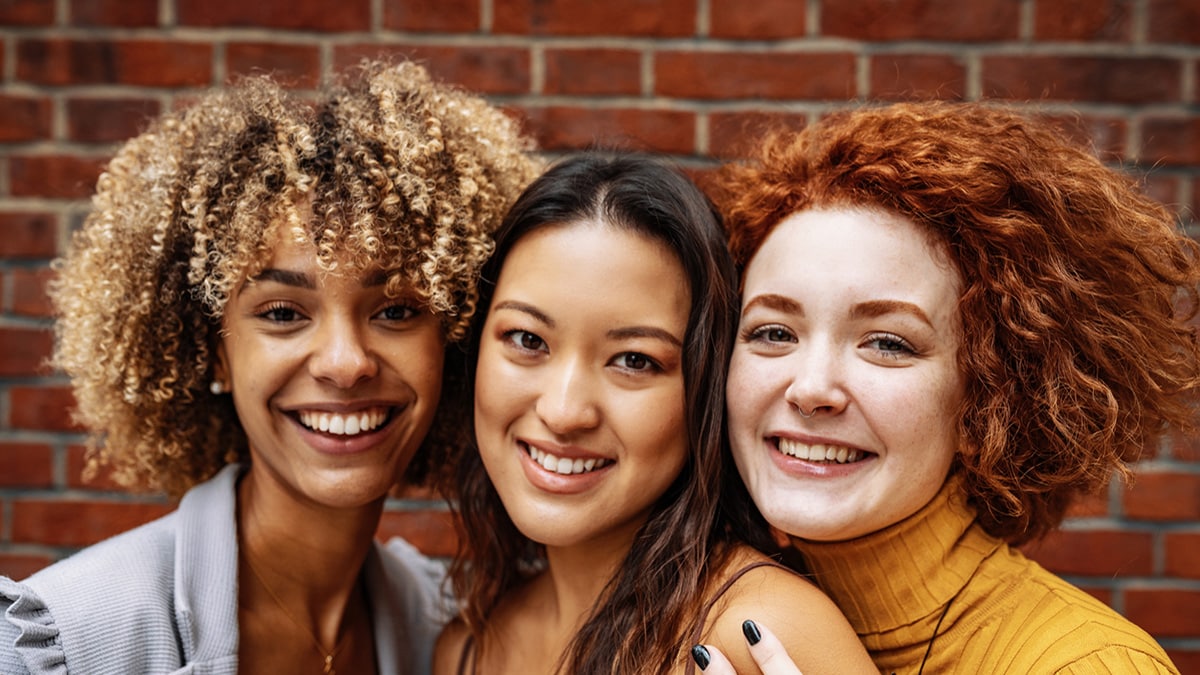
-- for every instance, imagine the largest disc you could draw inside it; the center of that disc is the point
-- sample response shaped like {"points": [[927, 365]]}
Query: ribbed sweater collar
{"points": [[904, 574]]}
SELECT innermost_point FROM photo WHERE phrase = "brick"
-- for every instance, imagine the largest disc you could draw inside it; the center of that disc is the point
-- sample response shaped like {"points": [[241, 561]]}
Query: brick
{"points": [[114, 13], [1165, 189], [898, 77], [24, 118], [149, 63], [1083, 78], [54, 176], [1164, 612], [1164, 496], [102, 481], [1173, 21], [594, 72], [736, 134], [430, 531], [1182, 554], [739, 75], [28, 235], [486, 70], [78, 523], [293, 65], [759, 20], [26, 13], [568, 128], [1083, 20], [1185, 660], [1097, 553], [27, 465], [1170, 141], [108, 120], [42, 408], [644, 18], [943, 20], [1102, 594], [315, 15], [1089, 506], [23, 351], [444, 16], [29, 292], [19, 566]]}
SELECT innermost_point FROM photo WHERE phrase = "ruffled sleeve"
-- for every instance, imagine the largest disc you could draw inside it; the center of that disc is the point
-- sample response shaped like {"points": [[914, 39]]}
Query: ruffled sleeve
{"points": [[29, 638]]}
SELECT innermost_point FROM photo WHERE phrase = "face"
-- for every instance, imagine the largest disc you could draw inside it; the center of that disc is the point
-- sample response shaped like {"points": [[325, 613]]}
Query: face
{"points": [[579, 402], [335, 382], [843, 389]]}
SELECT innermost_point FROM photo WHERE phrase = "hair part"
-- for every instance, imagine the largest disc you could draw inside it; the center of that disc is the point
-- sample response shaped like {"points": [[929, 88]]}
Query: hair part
{"points": [[386, 167], [1077, 288], [639, 623]]}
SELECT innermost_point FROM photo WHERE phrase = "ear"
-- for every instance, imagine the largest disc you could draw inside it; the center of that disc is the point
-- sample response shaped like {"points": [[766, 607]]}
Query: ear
{"points": [[221, 367]]}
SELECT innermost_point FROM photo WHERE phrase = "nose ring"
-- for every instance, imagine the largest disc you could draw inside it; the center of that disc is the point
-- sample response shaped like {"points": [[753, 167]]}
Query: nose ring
{"points": [[804, 414]]}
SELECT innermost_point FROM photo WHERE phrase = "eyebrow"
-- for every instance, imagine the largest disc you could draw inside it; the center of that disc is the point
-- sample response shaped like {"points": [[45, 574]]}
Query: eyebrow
{"points": [[624, 333], [874, 308], [862, 310], [302, 280]]}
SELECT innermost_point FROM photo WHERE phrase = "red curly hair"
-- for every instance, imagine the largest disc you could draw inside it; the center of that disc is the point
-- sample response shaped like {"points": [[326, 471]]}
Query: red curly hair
{"points": [[1077, 288]]}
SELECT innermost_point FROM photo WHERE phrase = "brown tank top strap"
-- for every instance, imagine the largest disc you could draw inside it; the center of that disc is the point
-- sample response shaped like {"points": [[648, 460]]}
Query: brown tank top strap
{"points": [[690, 667], [467, 656]]}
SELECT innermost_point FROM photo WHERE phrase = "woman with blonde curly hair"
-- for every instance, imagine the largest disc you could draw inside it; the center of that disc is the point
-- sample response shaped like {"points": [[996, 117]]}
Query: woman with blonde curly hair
{"points": [[954, 322], [255, 315]]}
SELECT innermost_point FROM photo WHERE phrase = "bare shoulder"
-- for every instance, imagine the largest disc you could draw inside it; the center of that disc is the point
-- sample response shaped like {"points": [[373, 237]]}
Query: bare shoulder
{"points": [[810, 626], [447, 652]]}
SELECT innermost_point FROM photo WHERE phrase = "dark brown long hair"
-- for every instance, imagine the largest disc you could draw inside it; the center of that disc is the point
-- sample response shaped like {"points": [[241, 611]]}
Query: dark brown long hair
{"points": [[1078, 288], [640, 622]]}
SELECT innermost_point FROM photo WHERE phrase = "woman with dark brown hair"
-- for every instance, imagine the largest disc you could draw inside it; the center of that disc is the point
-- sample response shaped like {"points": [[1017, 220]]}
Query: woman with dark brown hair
{"points": [[593, 538], [954, 322]]}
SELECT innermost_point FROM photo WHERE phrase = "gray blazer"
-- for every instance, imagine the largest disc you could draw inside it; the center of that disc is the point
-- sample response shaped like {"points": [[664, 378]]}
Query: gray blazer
{"points": [[162, 598]]}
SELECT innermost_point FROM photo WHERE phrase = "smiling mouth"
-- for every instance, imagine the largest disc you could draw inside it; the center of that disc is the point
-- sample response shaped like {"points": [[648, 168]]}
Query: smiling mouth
{"points": [[564, 465], [819, 452], [344, 424]]}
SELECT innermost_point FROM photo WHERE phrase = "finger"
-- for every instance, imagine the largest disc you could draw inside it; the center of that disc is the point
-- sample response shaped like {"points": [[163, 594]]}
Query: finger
{"points": [[712, 661], [767, 651]]}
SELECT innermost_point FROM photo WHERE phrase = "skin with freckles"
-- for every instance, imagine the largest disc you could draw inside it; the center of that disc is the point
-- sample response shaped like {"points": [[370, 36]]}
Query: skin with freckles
{"points": [[848, 316]]}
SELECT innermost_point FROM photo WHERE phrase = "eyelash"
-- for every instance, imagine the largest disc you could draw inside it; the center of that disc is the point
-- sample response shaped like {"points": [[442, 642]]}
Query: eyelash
{"points": [[762, 334], [904, 348], [514, 338], [276, 308]]}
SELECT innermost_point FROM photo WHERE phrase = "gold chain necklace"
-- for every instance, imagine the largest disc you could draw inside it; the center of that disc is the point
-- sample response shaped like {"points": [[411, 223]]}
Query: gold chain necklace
{"points": [[329, 670]]}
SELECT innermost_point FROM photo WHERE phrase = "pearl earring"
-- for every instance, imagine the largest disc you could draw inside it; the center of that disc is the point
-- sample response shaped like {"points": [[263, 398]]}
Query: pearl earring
{"points": [[216, 387]]}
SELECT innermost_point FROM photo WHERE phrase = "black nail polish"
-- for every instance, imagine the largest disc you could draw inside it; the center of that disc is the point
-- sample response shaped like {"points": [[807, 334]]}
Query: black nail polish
{"points": [[701, 656], [751, 632]]}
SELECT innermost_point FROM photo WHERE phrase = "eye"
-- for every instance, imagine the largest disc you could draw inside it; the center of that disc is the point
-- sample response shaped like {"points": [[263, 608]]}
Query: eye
{"points": [[769, 333], [398, 313], [280, 313], [889, 345], [636, 361], [523, 339]]}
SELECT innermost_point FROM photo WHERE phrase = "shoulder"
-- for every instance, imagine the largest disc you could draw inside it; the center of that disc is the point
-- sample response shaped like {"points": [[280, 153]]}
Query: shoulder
{"points": [[1059, 627], [805, 620], [94, 602], [448, 652]]}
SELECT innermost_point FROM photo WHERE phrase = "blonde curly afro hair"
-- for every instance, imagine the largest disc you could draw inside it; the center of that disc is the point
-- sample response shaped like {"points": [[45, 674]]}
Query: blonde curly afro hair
{"points": [[385, 166]]}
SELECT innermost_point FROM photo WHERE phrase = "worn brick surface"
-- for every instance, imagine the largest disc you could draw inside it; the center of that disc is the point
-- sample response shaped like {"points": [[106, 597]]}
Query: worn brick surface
{"points": [[756, 75], [443, 16], [653, 18], [562, 128], [1083, 78], [293, 65], [595, 72], [896, 77], [54, 176], [759, 20], [1083, 20], [24, 118], [114, 13], [487, 70], [1097, 553], [309, 15], [952, 20], [149, 63], [78, 523], [108, 120], [28, 235]]}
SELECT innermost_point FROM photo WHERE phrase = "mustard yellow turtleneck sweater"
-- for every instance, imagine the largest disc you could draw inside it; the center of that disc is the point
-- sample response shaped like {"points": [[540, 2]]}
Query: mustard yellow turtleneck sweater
{"points": [[1006, 613]]}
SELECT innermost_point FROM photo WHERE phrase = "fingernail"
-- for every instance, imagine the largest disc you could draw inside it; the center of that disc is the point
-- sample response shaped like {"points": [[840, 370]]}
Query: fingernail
{"points": [[701, 656], [751, 632]]}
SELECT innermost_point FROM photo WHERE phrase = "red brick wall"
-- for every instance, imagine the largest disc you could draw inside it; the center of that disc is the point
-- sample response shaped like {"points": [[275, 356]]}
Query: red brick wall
{"points": [[680, 77]]}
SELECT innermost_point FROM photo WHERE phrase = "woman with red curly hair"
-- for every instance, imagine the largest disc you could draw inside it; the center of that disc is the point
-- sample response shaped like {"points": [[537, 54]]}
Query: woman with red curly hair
{"points": [[954, 322]]}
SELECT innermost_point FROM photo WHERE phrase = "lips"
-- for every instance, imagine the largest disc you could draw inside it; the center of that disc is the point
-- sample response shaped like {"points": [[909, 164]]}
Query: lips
{"points": [[565, 466], [819, 452], [344, 424]]}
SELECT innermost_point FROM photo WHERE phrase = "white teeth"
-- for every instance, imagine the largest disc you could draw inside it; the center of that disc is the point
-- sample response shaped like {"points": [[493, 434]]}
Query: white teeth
{"points": [[564, 465], [819, 452], [344, 425]]}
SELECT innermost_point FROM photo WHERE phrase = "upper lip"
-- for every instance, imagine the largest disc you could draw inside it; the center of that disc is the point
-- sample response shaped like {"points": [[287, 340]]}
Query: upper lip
{"points": [[564, 451], [342, 407]]}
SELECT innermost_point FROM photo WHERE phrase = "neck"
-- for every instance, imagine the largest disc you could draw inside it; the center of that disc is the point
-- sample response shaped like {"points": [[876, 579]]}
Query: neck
{"points": [[309, 557], [578, 574]]}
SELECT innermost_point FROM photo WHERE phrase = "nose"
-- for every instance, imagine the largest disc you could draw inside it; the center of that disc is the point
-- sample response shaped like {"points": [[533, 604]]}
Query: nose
{"points": [[341, 355], [818, 383], [567, 402]]}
